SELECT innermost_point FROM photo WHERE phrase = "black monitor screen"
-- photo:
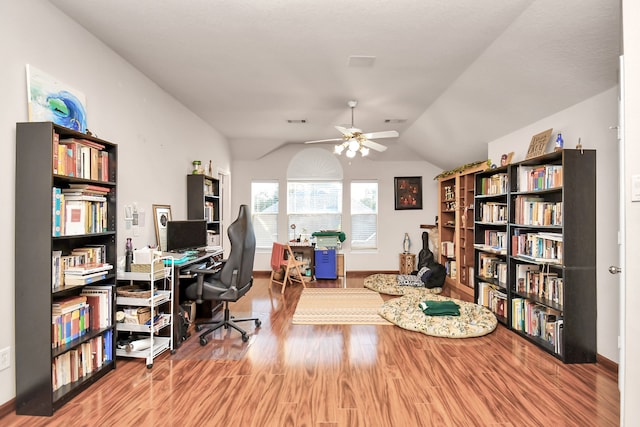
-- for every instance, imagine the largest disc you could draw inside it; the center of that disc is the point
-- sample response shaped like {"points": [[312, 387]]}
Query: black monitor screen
{"points": [[186, 235]]}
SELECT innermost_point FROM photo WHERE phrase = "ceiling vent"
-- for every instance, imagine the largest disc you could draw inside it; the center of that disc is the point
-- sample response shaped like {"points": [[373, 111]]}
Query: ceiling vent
{"points": [[297, 121], [395, 120], [360, 61]]}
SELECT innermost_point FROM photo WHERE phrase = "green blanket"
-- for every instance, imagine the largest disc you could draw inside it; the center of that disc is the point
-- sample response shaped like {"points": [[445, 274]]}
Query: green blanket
{"points": [[440, 308]]}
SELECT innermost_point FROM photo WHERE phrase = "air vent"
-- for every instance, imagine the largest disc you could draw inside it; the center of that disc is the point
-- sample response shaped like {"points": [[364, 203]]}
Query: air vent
{"points": [[297, 121], [395, 120], [361, 61]]}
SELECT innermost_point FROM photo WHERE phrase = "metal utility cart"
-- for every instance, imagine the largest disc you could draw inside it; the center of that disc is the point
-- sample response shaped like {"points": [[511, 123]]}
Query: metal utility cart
{"points": [[144, 310]]}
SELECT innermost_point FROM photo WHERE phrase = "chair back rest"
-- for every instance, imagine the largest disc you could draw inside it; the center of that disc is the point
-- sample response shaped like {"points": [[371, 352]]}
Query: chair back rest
{"points": [[277, 255], [243, 250]]}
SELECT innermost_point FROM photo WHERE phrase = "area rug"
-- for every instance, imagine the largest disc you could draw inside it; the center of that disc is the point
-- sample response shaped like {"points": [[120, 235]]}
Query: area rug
{"points": [[339, 306]]}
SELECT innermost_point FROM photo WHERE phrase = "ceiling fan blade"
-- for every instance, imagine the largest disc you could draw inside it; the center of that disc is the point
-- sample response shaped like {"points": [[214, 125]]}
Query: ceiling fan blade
{"points": [[383, 134], [373, 145], [324, 140]]}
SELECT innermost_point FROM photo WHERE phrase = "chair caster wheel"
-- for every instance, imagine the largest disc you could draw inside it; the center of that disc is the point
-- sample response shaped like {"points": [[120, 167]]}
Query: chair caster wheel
{"points": [[258, 323], [203, 341], [198, 328], [150, 365], [245, 337]]}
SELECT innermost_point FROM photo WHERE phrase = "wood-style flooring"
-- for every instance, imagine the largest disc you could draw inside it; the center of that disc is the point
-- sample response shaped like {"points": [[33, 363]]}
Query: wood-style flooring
{"points": [[340, 375]]}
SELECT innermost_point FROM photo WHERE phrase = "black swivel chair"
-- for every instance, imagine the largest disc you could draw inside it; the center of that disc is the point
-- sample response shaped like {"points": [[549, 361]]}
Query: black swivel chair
{"points": [[232, 281]]}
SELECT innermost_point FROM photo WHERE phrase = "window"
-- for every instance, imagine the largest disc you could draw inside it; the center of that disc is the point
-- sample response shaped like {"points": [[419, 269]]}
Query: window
{"points": [[264, 212], [314, 206], [364, 215]]}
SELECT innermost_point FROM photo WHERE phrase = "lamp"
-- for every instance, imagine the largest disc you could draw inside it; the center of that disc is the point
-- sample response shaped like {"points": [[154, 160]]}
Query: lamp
{"points": [[352, 145]]}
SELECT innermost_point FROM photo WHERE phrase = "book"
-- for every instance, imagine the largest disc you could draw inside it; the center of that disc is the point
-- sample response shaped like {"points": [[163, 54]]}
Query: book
{"points": [[104, 294], [85, 269], [68, 304], [85, 279]]}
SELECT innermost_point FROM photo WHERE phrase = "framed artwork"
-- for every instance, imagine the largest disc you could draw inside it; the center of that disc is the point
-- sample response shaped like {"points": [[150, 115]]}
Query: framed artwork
{"points": [[408, 192], [51, 100], [161, 214]]}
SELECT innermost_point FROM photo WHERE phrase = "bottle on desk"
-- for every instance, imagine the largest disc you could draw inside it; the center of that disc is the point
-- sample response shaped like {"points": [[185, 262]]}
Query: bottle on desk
{"points": [[128, 260]]}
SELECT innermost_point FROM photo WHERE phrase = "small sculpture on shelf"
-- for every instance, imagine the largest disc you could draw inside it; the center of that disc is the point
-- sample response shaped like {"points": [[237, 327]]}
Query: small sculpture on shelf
{"points": [[406, 243]]}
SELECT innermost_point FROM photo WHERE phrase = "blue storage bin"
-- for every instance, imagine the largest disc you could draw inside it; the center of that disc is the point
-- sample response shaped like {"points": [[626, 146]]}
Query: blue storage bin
{"points": [[325, 260]]}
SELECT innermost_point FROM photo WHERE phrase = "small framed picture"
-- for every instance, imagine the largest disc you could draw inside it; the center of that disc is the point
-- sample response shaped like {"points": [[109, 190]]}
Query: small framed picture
{"points": [[161, 214], [408, 192]]}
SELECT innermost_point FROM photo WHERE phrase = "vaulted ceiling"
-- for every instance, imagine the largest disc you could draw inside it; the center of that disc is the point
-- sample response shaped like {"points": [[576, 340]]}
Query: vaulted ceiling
{"points": [[449, 75]]}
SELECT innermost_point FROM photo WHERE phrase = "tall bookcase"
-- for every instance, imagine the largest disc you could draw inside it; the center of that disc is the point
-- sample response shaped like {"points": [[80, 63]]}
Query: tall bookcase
{"points": [[550, 256], [37, 389], [456, 230], [203, 202]]}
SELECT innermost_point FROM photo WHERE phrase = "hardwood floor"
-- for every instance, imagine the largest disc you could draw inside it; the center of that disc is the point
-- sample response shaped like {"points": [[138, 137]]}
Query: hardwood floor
{"points": [[339, 375]]}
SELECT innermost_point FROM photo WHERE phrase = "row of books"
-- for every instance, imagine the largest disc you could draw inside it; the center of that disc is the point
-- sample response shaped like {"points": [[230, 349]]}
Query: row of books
{"points": [[74, 316], [496, 240], [538, 321], [545, 285], [493, 212], [451, 268], [80, 158], [538, 247], [447, 249], [82, 266], [81, 361], [539, 177], [492, 267], [533, 210], [493, 185], [209, 212], [493, 297], [78, 212]]}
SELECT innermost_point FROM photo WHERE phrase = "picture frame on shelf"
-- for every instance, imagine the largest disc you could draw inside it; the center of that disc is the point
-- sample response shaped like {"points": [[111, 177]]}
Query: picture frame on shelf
{"points": [[407, 192], [161, 215], [538, 144]]}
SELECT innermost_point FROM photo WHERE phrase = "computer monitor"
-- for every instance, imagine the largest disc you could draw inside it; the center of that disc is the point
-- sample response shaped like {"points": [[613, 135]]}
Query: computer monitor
{"points": [[186, 235]]}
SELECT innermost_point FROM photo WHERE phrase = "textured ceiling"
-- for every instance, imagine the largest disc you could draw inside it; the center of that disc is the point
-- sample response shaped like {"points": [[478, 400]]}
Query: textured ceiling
{"points": [[460, 72]]}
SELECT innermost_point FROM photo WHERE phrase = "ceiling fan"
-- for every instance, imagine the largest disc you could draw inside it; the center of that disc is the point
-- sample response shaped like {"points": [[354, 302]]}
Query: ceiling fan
{"points": [[354, 140]]}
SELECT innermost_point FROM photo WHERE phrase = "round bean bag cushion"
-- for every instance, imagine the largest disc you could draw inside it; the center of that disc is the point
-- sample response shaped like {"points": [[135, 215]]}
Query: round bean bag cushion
{"points": [[388, 284], [474, 320]]}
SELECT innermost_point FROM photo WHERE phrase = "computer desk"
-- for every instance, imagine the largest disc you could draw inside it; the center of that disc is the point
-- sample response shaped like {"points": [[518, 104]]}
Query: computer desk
{"points": [[181, 274]]}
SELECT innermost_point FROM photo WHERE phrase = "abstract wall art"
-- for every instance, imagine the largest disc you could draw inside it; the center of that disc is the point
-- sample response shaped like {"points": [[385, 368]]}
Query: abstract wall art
{"points": [[51, 100]]}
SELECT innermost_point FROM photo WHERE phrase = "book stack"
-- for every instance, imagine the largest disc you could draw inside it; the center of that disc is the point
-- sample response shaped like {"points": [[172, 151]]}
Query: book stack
{"points": [[85, 274], [81, 361], [85, 209]]}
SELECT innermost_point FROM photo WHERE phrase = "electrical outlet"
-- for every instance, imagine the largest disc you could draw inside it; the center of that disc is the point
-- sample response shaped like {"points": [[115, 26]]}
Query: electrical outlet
{"points": [[5, 358]]}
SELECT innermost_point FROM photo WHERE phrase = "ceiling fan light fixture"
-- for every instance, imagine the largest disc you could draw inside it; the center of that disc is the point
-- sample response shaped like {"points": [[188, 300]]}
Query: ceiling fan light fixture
{"points": [[364, 151], [351, 154], [354, 145], [338, 149]]}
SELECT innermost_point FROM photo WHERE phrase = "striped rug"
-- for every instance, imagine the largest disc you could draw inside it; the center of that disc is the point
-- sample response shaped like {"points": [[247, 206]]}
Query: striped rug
{"points": [[338, 306]]}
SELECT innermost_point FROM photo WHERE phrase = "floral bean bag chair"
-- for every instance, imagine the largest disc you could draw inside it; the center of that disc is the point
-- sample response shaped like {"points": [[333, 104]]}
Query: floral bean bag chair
{"points": [[398, 284], [406, 312]]}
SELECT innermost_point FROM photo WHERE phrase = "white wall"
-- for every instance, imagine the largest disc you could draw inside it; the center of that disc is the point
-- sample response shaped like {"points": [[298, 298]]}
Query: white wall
{"points": [[157, 137], [392, 224], [630, 410], [590, 121]]}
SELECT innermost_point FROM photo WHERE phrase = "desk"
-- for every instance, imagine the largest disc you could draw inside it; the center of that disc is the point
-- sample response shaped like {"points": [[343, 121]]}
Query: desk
{"points": [[180, 274]]}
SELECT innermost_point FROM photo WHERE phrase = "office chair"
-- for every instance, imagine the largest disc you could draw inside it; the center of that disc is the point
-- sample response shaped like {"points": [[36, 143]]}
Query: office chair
{"points": [[232, 281], [282, 259]]}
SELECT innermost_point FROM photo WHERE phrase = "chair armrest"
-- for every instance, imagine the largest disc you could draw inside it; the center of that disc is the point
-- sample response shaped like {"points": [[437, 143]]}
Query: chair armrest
{"points": [[201, 273]]}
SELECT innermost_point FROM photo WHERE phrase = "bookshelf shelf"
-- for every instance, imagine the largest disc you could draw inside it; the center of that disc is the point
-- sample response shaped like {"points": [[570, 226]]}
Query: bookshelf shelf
{"points": [[549, 293], [45, 352]]}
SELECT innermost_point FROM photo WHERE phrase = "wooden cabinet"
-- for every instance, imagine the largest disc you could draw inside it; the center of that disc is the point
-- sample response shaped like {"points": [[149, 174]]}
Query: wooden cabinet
{"points": [[456, 230], [550, 256], [41, 241], [203, 202], [407, 263]]}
